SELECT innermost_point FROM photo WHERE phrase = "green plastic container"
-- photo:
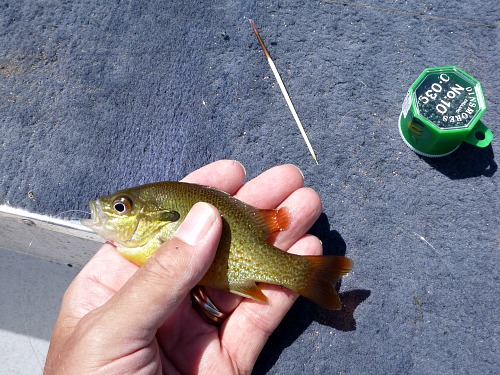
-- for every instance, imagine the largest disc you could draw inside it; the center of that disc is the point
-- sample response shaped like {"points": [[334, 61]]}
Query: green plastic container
{"points": [[442, 109]]}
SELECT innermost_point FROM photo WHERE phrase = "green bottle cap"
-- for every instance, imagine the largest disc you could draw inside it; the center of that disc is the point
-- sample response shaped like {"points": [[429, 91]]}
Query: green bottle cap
{"points": [[442, 109]]}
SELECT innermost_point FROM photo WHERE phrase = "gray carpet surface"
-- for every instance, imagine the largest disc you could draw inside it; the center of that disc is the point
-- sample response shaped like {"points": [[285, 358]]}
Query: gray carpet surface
{"points": [[94, 98]]}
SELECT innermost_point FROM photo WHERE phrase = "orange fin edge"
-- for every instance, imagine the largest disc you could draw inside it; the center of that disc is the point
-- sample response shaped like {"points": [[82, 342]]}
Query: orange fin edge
{"points": [[274, 220]]}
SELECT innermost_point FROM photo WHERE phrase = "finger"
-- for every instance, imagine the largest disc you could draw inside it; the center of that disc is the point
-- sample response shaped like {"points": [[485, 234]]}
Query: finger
{"points": [[247, 329], [227, 175], [163, 283], [271, 187]]}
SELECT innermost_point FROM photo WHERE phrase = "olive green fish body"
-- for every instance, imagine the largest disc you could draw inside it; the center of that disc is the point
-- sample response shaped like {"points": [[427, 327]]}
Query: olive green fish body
{"points": [[138, 220]]}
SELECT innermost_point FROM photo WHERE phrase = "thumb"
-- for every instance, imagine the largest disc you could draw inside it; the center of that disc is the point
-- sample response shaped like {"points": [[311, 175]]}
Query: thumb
{"points": [[162, 284]]}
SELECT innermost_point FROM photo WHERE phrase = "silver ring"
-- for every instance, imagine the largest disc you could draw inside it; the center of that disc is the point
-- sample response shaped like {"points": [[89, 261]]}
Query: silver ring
{"points": [[204, 305]]}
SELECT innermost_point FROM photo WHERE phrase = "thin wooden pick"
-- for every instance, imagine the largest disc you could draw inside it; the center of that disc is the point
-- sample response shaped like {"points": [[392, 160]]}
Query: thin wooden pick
{"points": [[283, 90]]}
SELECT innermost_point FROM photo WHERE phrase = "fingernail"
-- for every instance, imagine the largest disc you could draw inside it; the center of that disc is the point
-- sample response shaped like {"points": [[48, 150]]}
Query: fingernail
{"points": [[300, 170], [197, 224], [242, 167]]}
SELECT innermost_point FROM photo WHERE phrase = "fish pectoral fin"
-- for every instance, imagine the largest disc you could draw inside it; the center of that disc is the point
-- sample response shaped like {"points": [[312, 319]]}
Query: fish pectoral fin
{"points": [[166, 215], [248, 290]]}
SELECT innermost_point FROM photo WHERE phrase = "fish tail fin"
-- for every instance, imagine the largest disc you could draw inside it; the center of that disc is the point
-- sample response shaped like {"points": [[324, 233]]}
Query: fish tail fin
{"points": [[320, 283]]}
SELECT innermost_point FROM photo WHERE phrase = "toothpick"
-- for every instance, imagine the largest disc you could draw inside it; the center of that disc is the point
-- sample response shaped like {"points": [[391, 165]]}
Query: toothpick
{"points": [[283, 90]]}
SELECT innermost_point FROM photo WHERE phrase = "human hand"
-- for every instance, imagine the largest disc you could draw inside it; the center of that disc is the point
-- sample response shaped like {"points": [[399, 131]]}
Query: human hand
{"points": [[117, 318]]}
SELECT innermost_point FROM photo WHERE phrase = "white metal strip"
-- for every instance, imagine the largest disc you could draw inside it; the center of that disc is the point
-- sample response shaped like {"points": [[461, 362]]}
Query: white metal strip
{"points": [[59, 240]]}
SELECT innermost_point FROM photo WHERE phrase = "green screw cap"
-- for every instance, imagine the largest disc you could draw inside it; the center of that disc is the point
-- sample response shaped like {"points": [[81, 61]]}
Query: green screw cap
{"points": [[442, 109]]}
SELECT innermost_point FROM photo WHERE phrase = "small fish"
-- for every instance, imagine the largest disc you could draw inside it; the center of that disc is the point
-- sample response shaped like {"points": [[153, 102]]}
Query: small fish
{"points": [[138, 220]]}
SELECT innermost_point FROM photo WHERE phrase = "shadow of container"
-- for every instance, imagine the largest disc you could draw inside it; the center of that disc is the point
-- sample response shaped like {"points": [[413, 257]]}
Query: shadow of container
{"points": [[466, 162]]}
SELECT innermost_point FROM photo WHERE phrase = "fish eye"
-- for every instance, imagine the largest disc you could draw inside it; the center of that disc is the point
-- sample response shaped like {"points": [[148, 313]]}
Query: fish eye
{"points": [[122, 205]]}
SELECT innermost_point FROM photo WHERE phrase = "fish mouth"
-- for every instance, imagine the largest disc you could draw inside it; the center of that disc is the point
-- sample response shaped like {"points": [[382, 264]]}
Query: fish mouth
{"points": [[97, 216]]}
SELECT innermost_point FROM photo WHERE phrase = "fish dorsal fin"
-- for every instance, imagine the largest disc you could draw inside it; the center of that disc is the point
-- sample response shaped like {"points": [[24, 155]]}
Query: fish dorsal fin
{"points": [[248, 289], [272, 221]]}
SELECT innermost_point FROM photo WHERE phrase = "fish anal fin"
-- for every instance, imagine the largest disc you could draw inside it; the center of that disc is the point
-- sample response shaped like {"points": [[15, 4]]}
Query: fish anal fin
{"points": [[248, 290], [324, 274], [272, 221]]}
